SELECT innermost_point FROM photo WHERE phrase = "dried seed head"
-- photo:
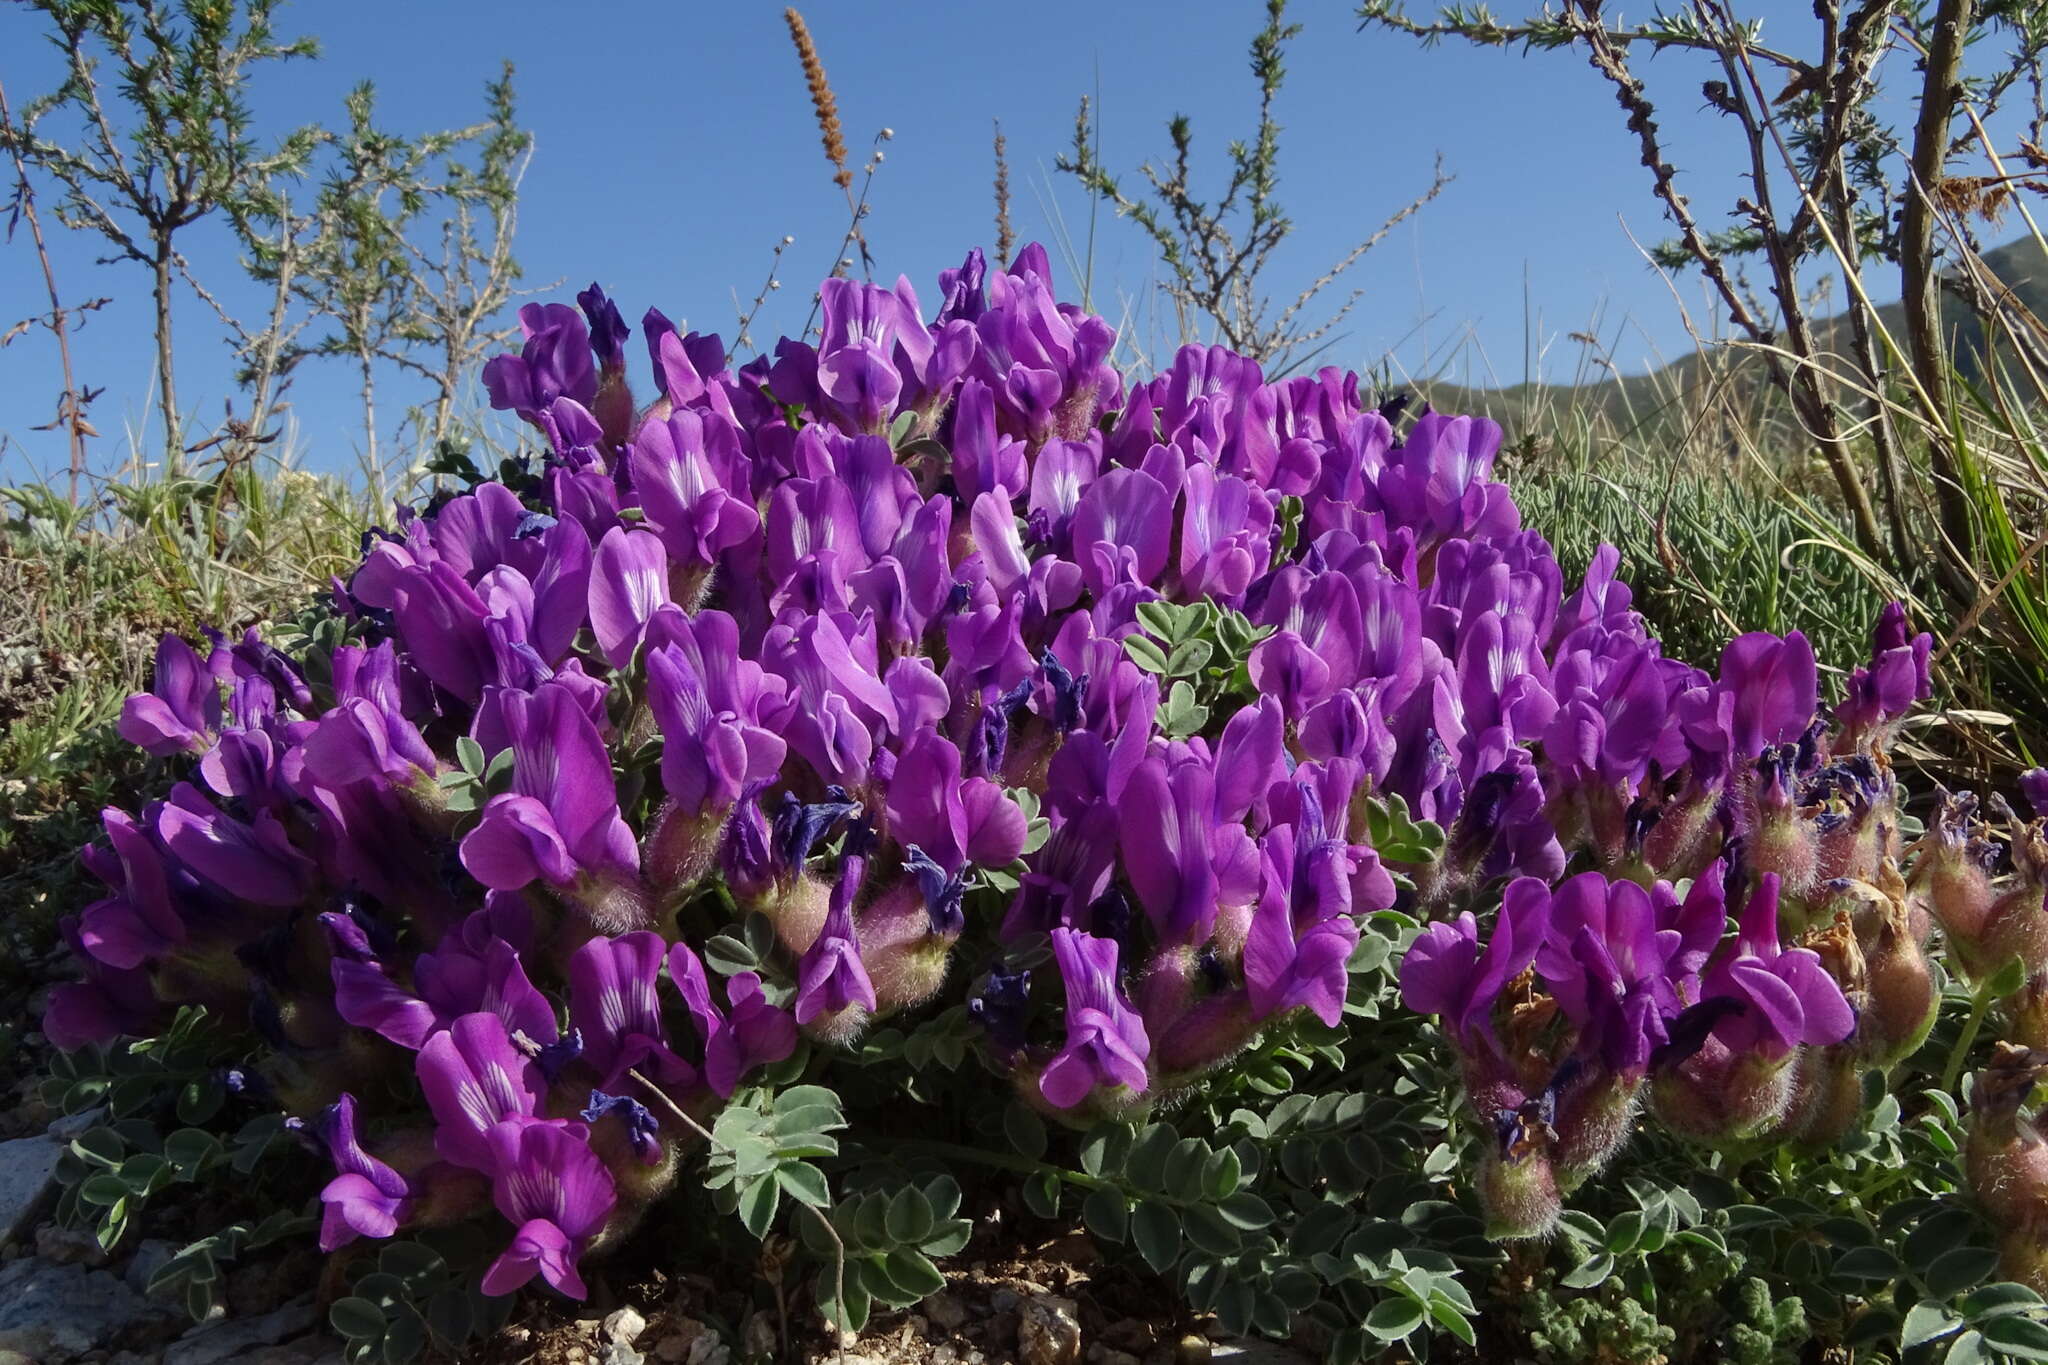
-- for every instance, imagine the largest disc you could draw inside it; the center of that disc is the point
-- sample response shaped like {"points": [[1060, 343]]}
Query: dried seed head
{"points": [[823, 104]]}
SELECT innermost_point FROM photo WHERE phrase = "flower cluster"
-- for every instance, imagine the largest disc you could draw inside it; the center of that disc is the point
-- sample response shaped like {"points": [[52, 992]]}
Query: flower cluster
{"points": [[1698, 799], [959, 660]]}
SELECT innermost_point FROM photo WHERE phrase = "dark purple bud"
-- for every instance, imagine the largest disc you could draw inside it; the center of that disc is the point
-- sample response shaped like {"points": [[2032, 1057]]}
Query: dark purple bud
{"points": [[642, 1131], [1001, 1007], [799, 826], [942, 890]]}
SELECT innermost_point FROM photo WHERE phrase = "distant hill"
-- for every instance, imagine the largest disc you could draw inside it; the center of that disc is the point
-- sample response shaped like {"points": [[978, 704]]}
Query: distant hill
{"points": [[1678, 391]]}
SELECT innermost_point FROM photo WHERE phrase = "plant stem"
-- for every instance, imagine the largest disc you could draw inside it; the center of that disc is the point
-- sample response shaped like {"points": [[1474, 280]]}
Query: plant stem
{"points": [[1979, 1003], [661, 1098]]}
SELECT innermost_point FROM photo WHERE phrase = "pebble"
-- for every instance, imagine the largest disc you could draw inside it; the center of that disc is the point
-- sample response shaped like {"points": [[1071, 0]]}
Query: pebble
{"points": [[622, 1353], [1194, 1349], [1048, 1331], [1250, 1351], [625, 1325], [945, 1312], [28, 1170]]}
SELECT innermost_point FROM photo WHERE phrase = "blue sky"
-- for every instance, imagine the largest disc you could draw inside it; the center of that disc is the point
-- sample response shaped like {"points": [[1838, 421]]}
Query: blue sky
{"points": [[675, 146]]}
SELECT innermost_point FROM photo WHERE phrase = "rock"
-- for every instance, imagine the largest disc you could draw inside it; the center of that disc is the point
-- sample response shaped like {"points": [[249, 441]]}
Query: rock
{"points": [[234, 1337], [945, 1312], [1005, 1300], [1194, 1349], [1247, 1351], [51, 1313], [758, 1335], [1048, 1331], [673, 1349], [622, 1353], [151, 1255], [1111, 1357], [625, 1325], [70, 1126], [28, 1172], [66, 1245]]}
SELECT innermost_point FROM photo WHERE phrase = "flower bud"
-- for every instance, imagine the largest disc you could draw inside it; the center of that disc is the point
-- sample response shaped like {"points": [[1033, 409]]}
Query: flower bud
{"points": [[1206, 1036], [2004, 1156], [1722, 1098], [1951, 879], [1777, 835], [1593, 1120], [905, 959], [1517, 1184], [679, 853], [1826, 1098]]}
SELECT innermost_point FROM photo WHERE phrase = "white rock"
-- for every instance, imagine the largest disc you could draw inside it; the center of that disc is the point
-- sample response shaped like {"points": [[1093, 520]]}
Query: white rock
{"points": [[625, 1325], [621, 1353], [1048, 1331], [224, 1340], [28, 1171]]}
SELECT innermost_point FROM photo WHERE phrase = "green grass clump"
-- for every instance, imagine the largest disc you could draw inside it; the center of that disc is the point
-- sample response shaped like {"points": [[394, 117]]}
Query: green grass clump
{"points": [[85, 592]]}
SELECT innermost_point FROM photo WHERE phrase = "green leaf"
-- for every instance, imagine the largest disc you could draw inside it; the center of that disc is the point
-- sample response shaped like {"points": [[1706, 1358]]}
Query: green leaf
{"points": [[1927, 1322], [1156, 1232], [1145, 654], [758, 1202], [2019, 1337], [1209, 1232], [1393, 1319], [1967, 1349], [470, 755], [1188, 657], [1221, 1175], [1106, 1215], [1246, 1211], [357, 1319], [909, 1218], [1957, 1270], [1873, 1265], [1588, 1273], [1025, 1130], [804, 1183], [1042, 1194], [1997, 1300], [912, 1273]]}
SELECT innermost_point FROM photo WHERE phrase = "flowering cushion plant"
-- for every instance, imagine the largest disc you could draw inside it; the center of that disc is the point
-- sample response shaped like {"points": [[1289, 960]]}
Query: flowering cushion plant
{"points": [[948, 666]]}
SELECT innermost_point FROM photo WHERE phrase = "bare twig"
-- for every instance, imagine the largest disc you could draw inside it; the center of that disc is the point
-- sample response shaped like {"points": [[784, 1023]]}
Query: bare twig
{"points": [[71, 403]]}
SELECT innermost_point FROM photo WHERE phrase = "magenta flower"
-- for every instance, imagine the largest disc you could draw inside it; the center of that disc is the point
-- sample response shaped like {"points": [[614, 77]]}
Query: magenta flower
{"points": [[181, 713], [556, 1193], [1106, 1045]]}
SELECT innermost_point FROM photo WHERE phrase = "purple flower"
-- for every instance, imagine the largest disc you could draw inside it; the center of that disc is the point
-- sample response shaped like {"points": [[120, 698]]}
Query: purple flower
{"points": [[629, 581], [1767, 690], [1106, 1045], [367, 1198], [181, 712], [613, 1004], [556, 1193], [687, 503], [1122, 529], [1898, 676], [831, 982], [750, 1032], [709, 703], [1446, 974], [474, 1079], [1786, 996], [560, 822], [555, 362]]}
